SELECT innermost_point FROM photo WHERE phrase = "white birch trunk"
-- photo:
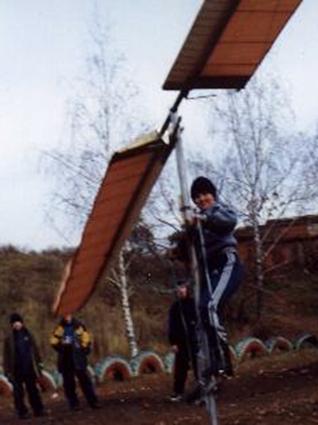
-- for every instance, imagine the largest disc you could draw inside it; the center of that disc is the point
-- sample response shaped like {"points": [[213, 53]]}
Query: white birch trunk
{"points": [[259, 267], [129, 324]]}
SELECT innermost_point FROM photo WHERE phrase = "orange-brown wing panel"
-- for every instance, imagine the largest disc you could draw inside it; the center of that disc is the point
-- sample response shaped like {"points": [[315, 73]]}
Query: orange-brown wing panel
{"points": [[129, 178], [227, 42]]}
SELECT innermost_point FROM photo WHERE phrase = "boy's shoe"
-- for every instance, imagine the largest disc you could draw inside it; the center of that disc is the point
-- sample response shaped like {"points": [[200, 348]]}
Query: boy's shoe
{"points": [[201, 390], [212, 386], [175, 397], [225, 374], [194, 395]]}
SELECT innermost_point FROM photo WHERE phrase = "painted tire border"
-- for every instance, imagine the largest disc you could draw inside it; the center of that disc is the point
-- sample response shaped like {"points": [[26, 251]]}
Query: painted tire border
{"points": [[6, 387], [278, 344], [145, 361], [47, 382], [110, 365], [306, 340], [250, 346]]}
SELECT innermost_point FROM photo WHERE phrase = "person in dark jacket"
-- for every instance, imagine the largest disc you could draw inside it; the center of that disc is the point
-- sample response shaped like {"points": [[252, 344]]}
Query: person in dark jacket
{"points": [[22, 365], [182, 338], [72, 342], [219, 265]]}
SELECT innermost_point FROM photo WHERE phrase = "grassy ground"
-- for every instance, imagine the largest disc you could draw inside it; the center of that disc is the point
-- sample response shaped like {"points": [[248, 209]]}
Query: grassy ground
{"points": [[276, 390]]}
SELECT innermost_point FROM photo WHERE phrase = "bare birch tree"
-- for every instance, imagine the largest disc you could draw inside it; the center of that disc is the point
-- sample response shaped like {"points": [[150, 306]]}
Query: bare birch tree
{"points": [[119, 280], [263, 166], [102, 117]]}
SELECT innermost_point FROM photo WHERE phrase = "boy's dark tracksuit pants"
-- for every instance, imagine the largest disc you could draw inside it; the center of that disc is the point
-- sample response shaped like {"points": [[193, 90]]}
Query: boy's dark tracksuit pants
{"points": [[225, 273]]}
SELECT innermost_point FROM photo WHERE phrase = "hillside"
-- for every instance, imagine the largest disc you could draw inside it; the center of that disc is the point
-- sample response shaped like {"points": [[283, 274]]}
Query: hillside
{"points": [[29, 280]]}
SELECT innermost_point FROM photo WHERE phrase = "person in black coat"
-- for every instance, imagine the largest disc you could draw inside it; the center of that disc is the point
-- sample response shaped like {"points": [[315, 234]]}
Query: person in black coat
{"points": [[182, 338], [72, 342], [22, 365]]}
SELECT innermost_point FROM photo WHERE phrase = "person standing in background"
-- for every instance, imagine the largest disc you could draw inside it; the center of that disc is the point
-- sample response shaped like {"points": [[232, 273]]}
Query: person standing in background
{"points": [[73, 343], [22, 365], [182, 338]]}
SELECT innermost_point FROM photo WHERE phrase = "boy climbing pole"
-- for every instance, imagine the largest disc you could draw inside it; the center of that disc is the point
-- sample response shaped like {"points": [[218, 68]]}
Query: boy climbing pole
{"points": [[220, 270]]}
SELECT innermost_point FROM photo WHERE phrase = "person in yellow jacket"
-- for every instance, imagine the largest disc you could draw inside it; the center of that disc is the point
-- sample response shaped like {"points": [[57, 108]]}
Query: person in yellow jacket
{"points": [[72, 342]]}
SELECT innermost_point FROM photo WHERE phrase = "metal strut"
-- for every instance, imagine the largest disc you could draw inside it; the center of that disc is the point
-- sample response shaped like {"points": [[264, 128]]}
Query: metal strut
{"points": [[203, 357], [173, 110]]}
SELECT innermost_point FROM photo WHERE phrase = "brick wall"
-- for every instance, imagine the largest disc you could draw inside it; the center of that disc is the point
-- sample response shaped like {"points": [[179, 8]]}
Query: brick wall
{"points": [[295, 242]]}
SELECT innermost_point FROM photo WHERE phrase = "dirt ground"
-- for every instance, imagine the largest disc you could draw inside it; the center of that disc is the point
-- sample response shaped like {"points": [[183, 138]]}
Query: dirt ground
{"points": [[277, 390]]}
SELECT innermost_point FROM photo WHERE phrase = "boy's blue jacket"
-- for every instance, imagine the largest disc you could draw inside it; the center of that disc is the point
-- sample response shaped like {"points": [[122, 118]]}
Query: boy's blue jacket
{"points": [[218, 226], [218, 223]]}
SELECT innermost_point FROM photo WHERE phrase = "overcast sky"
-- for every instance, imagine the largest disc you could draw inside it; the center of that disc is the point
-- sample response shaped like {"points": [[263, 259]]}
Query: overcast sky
{"points": [[43, 45]]}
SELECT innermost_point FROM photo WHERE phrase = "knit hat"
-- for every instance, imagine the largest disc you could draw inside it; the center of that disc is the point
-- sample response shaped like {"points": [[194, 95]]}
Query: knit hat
{"points": [[202, 185], [16, 317], [182, 282]]}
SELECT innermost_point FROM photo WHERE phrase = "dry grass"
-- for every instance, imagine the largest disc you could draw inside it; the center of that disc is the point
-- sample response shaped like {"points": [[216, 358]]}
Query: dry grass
{"points": [[28, 282]]}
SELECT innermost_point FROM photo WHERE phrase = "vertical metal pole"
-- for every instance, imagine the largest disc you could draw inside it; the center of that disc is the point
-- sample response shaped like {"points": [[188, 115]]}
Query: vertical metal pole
{"points": [[185, 198], [203, 355]]}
